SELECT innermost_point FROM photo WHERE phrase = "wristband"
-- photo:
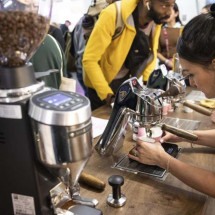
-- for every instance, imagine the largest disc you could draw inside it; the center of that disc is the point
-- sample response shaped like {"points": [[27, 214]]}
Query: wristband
{"points": [[168, 164]]}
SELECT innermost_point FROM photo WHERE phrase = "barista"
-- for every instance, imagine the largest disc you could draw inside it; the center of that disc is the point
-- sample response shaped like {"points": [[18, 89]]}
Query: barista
{"points": [[197, 58]]}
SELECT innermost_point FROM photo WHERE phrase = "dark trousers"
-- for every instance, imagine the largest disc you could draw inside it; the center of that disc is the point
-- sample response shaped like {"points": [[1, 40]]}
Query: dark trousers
{"points": [[95, 101], [80, 79]]}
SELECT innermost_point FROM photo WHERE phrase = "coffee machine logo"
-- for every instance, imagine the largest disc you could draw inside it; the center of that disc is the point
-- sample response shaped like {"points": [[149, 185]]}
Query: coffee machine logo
{"points": [[124, 91]]}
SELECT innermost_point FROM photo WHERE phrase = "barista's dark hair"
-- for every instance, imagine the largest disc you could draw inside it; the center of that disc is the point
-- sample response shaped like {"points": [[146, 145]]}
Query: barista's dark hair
{"points": [[197, 42]]}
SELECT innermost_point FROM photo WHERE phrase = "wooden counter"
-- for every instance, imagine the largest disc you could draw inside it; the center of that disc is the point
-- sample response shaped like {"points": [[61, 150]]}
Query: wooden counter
{"points": [[152, 196]]}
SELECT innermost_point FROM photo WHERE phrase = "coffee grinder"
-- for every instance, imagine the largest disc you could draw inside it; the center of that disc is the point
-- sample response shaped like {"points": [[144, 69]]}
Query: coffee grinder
{"points": [[45, 134]]}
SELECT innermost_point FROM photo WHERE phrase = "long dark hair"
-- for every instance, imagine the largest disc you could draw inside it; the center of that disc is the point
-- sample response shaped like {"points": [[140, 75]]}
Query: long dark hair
{"points": [[197, 42], [176, 9]]}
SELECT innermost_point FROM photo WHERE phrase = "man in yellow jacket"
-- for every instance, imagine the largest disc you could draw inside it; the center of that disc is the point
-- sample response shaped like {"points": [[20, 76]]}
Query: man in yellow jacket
{"points": [[108, 62]]}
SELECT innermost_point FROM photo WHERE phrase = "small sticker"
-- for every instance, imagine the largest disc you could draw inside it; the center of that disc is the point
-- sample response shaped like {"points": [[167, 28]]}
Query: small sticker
{"points": [[164, 70], [23, 204], [10, 111]]}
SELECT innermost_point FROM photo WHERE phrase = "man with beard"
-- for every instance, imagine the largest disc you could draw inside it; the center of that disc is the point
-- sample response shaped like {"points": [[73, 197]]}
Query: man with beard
{"points": [[108, 62]]}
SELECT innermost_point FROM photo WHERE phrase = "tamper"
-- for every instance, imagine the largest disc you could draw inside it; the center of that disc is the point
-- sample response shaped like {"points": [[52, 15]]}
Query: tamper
{"points": [[116, 199]]}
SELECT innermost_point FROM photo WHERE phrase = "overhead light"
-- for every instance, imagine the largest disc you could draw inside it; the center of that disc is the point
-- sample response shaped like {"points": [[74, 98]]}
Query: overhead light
{"points": [[7, 3]]}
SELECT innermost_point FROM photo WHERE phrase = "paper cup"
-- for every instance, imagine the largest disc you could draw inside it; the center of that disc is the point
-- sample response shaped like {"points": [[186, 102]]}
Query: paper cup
{"points": [[156, 133], [141, 132]]}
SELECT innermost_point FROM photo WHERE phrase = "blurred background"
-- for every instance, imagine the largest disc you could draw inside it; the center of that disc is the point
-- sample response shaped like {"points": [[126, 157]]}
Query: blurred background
{"points": [[72, 10]]}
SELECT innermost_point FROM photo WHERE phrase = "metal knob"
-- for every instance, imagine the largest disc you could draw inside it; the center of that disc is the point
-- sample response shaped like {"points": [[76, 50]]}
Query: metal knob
{"points": [[116, 199]]}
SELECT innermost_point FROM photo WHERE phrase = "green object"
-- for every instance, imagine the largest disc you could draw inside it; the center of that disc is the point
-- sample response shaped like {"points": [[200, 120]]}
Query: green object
{"points": [[50, 56]]}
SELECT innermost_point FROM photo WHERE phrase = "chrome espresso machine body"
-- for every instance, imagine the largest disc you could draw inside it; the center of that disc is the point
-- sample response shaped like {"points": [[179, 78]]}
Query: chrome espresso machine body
{"points": [[133, 103], [136, 103]]}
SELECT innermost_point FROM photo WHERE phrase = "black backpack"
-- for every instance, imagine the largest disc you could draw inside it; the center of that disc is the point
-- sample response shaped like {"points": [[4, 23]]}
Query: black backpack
{"points": [[69, 42]]}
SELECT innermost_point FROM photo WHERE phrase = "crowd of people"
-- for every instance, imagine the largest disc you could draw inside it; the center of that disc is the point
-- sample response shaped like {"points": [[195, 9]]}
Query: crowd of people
{"points": [[152, 31]]}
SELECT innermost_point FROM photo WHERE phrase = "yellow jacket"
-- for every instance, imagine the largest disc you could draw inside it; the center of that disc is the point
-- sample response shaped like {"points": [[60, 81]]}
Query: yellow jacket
{"points": [[104, 57]]}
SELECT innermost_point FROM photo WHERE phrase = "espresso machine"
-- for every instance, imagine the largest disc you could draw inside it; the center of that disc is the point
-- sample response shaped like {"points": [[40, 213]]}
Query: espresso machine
{"points": [[172, 82], [132, 103], [45, 134], [136, 103]]}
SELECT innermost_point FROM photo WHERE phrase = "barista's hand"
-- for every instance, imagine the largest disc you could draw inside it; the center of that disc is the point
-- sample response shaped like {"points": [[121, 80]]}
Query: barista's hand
{"points": [[110, 99], [149, 153], [170, 137]]}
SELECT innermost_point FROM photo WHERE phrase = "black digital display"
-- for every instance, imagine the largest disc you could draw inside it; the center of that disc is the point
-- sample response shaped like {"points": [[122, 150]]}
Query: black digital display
{"points": [[57, 99]]}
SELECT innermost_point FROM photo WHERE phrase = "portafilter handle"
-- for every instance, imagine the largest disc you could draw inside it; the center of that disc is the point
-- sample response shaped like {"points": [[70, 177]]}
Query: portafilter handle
{"points": [[198, 108], [179, 132]]}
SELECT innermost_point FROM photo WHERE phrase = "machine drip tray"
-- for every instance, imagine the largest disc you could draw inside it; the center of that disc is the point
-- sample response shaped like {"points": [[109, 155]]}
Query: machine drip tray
{"points": [[133, 166]]}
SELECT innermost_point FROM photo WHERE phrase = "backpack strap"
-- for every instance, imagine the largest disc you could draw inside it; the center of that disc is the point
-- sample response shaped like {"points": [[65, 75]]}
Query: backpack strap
{"points": [[119, 22]]}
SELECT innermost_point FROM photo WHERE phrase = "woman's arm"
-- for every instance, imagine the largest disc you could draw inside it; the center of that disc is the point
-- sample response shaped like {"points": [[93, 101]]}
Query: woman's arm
{"points": [[205, 137], [154, 154], [166, 61], [197, 178]]}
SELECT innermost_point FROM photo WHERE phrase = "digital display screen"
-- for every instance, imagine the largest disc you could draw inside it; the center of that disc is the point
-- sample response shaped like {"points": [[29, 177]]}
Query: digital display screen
{"points": [[57, 99]]}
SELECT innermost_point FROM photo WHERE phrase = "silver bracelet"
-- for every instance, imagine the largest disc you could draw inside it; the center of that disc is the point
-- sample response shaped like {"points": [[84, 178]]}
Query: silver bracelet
{"points": [[168, 164]]}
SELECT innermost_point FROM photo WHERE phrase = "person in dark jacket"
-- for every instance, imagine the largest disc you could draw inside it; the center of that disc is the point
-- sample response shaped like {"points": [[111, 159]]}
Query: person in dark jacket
{"points": [[57, 34], [65, 27]]}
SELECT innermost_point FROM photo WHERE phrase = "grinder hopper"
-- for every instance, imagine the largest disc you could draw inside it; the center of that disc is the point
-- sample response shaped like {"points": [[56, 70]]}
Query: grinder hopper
{"points": [[23, 26]]}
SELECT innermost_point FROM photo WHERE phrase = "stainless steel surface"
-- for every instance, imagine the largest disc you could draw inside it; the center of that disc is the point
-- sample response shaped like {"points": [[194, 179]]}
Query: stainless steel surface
{"points": [[175, 85], [186, 124], [116, 136], [79, 115], [14, 95], [84, 201], [62, 130], [59, 196], [176, 79], [61, 199], [59, 145], [133, 103], [149, 108], [116, 203]]}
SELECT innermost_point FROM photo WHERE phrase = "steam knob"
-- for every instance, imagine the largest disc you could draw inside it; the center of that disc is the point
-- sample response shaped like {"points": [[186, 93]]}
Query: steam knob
{"points": [[116, 199]]}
